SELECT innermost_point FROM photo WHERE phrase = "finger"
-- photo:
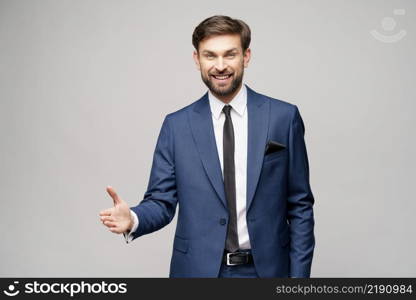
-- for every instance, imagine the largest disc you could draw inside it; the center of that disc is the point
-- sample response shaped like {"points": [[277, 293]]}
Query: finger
{"points": [[114, 230], [113, 194], [110, 224], [107, 218], [106, 212]]}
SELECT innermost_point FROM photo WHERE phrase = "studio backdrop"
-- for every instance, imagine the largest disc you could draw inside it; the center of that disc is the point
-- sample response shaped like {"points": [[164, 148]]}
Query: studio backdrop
{"points": [[85, 86]]}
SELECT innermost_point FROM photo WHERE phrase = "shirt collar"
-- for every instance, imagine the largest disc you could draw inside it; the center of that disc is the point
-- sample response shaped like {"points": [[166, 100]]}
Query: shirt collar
{"points": [[238, 103]]}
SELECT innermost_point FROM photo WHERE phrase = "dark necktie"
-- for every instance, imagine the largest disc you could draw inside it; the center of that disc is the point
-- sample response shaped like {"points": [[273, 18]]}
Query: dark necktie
{"points": [[231, 244]]}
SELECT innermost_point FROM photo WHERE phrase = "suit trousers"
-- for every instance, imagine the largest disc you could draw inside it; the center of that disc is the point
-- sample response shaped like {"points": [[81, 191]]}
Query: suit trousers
{"points": [[239, 271]]}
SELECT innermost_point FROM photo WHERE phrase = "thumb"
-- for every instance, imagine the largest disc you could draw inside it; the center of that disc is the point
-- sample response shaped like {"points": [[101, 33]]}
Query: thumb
{"points": [[113, 194]]}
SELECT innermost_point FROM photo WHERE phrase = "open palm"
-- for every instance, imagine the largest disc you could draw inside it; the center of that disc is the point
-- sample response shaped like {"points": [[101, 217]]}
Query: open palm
{"points": [[117, 218]]}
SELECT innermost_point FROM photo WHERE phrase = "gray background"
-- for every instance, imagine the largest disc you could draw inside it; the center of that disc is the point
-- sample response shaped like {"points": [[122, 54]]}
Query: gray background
{"points": [[84, 88]]}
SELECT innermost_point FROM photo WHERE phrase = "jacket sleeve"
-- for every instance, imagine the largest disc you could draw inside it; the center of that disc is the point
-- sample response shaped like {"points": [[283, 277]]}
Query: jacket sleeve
{"points": [[158, 207], [300, 202]]}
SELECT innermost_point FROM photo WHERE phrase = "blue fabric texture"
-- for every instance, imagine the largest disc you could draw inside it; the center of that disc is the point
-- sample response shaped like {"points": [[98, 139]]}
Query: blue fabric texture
{"points": [[186, 174]]}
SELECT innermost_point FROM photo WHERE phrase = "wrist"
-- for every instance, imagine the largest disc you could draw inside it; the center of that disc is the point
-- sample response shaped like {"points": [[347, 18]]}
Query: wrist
{"points": [[131, 223]]}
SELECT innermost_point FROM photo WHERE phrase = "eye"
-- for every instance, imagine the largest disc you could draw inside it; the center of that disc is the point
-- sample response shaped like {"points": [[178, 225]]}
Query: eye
{"points": [[209, 56], [231, 55]]}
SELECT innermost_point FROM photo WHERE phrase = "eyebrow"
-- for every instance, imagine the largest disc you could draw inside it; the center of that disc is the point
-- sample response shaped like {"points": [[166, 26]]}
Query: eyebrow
{"points": [[211, 52]]}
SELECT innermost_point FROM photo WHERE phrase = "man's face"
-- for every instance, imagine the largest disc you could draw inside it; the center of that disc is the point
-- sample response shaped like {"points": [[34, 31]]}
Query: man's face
{"points": [[221, 61]]}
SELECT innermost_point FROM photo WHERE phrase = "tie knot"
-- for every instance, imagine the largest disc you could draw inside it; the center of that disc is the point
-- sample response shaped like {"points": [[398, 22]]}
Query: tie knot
{"points": [[226, 109]]}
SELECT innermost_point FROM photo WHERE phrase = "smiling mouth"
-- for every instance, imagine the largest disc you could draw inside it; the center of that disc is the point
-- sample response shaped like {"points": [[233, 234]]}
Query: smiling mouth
{"points": [[222, 77]]}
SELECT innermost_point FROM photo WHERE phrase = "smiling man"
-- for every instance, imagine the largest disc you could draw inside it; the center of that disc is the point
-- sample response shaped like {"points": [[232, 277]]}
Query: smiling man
{"points": [[221, 60], [235, 163]]}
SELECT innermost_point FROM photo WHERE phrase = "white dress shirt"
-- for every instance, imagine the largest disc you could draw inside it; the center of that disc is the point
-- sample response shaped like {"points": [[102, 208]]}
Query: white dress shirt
{"points": [[240, 124]]}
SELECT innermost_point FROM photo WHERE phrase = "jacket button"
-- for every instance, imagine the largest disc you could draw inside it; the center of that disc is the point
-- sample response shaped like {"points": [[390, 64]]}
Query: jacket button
{"points": [[223, 221]]}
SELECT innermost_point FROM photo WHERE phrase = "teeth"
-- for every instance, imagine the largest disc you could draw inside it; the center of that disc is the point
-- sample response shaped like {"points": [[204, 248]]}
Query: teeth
{"points": [[222, 77]]}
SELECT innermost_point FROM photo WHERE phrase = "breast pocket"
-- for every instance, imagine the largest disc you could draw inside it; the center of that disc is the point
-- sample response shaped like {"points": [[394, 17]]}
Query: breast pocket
{"points": [[274, 155]]}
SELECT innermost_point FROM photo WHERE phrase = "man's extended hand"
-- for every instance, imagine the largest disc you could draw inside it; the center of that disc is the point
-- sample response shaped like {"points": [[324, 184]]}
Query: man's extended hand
{"points": [[117, 218]]}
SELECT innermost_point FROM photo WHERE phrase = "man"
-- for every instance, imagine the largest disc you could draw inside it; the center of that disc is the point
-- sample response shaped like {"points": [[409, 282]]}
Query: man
{"points": [[236, 163]]}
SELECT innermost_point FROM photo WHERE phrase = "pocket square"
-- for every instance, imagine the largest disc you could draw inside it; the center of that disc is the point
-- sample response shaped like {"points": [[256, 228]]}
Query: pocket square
{"points": [[273, 146]]}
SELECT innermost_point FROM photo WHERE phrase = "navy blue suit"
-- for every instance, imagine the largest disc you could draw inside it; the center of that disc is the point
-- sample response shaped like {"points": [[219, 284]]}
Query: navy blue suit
{"points": [[186, 171]]}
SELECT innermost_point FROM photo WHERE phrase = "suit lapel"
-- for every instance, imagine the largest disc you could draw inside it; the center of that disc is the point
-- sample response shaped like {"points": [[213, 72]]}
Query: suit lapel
{"points": [[202, 128], [200, 120], [258, 123]]}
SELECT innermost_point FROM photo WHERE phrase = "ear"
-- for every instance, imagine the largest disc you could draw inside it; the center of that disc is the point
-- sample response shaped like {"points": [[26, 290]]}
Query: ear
{"points": [[246, 57], [196, 59]]}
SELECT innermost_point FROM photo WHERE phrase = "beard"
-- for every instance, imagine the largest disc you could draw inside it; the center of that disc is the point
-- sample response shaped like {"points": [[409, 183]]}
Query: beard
{"points": [[224, 91]]}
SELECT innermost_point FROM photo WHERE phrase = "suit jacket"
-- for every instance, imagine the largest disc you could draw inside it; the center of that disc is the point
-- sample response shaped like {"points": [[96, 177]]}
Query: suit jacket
{"points": [[186, 170]]}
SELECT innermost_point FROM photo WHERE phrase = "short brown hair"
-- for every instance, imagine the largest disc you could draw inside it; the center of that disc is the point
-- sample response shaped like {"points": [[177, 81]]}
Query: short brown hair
{"points": [[218, 25]]}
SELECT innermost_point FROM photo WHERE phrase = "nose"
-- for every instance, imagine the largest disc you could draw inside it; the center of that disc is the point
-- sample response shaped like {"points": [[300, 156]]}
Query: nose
{"points": [[220, 65]]}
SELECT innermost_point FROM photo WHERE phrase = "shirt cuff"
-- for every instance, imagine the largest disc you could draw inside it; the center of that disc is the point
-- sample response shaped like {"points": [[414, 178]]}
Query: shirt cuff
{"points": [[128, 236]]}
